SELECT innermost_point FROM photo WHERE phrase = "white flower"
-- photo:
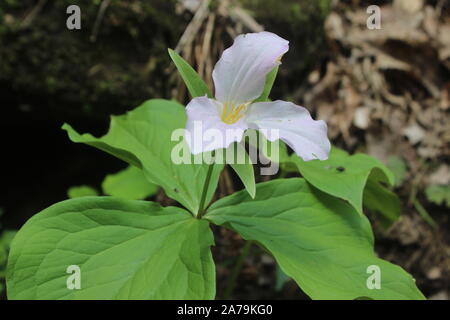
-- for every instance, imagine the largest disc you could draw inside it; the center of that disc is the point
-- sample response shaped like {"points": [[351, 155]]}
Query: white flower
{"points": [[239, 78]]}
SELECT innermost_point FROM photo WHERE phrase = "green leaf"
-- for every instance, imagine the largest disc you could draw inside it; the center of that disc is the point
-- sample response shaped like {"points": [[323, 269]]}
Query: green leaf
{"points": [[81, 191], [143, 138], [439, 195], [196, 86], [244, 168], [318, 240], [128, 183], [105, 144], [398, 168], [280, 278], [124, 249], [344, 176], [381, 200], [270, 80], [6, 238]]}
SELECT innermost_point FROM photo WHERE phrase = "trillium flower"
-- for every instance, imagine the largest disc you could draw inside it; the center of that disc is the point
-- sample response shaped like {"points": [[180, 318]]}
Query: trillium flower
{"points": [[239, 78]]}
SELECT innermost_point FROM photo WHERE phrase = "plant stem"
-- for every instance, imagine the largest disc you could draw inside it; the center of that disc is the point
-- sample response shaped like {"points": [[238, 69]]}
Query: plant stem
{"points": [[424, 214], [201, 208], [237, 270]]}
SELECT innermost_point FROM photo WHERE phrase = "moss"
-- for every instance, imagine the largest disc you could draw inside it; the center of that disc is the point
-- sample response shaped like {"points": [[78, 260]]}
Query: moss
{"points": [[61, 71]]}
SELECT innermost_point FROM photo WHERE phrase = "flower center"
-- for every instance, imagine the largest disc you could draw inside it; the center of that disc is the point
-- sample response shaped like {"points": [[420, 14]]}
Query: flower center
{"points": [[232, 113]]}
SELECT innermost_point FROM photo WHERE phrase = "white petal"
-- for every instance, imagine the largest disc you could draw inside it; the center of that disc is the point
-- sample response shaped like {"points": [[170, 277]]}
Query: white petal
{"points": [[307, 137], [240, 74], [205, 131]]}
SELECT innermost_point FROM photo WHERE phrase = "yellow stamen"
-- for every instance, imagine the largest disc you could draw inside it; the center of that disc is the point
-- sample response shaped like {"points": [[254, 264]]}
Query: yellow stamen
{"points": [[232, 114]]}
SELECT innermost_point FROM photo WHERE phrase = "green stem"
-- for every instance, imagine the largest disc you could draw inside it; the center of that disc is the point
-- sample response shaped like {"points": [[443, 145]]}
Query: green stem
{"points": [[237, 270], [424, 214], [201, 208]]}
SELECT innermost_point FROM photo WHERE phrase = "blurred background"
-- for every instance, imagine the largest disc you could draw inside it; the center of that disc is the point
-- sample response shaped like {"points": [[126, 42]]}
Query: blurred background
{"points": [[385, 92]]}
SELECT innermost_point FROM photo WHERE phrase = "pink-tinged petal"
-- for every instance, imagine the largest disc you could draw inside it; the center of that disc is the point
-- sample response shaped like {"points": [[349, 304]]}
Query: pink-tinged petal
{"points": [[307, 137], [240, 74], [205, 131]]}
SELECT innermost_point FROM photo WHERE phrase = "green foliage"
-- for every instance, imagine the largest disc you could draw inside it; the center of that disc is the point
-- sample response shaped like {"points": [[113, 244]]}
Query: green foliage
{"points": [[129, 249], [439, 195], [398, 167], [128, 183], [142, 138], [280, 278], [369, 174], [6, 238], [270, 80], [124, 249], [381, 200], [363, 177], [344, 176], [318, 240], [244, 169], [81, 191], [196, 86], [424, 214], [138, 250]]}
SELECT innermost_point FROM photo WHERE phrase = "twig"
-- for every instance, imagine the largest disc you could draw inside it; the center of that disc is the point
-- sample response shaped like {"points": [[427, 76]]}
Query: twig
{"points": [[33, 14], [206, 45], [243, 17], [101, 12], [193, 27]]}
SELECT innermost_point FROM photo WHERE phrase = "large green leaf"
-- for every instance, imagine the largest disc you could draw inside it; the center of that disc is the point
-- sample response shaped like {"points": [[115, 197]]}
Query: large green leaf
{"points": [[196, 86], [344, 176], [128, 183], [318, 240], [124, 249], [142, 138]]}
